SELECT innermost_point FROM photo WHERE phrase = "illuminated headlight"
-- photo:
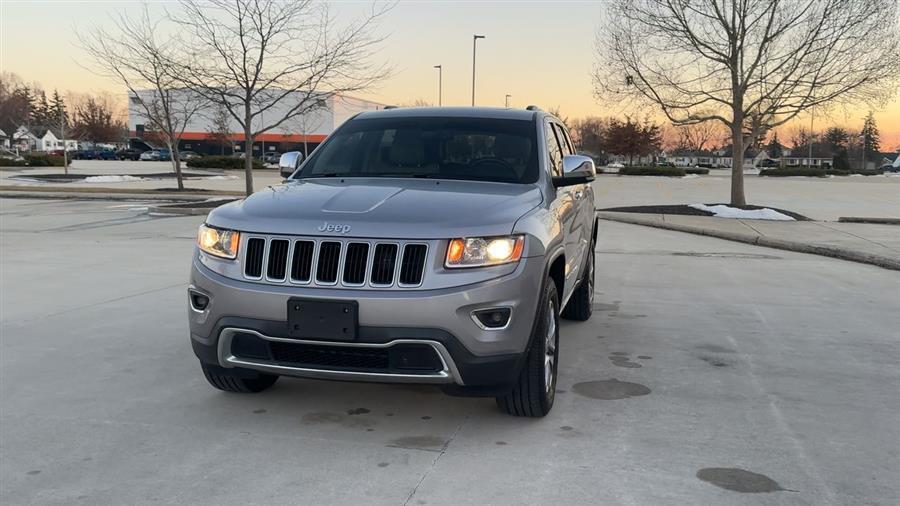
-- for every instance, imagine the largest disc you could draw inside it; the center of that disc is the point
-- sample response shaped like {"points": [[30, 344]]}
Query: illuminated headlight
{"points": [[483, 251], [218, 242]]}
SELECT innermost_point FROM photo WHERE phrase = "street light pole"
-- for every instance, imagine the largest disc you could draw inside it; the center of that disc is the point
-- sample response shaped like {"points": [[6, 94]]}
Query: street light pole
{"points": [[474, 41], [507, 100], [440, 81]]}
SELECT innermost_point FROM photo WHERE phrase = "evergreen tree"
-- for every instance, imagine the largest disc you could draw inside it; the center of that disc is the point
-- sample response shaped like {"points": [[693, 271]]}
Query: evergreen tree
{"points": [[59, 116], [774, 148], [871, 142], [40, 113]]}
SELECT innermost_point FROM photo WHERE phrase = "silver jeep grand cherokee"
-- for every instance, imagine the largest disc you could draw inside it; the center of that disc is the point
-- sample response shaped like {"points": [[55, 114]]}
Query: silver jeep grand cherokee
{"points": [[424, 245]]}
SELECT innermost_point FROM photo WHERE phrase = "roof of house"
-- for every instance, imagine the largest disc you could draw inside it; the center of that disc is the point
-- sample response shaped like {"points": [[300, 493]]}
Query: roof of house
{"points": [[727, 151], [692, 153], [819, 150]]}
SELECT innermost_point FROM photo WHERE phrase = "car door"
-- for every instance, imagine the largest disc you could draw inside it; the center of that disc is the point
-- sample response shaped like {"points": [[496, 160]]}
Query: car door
{"points": [[584, 198], [565, 209]]}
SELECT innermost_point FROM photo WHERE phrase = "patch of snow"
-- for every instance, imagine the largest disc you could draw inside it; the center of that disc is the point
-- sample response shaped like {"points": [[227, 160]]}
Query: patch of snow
{"points": [[112, 179], [689, 176], [722, 211], [219, 177]]}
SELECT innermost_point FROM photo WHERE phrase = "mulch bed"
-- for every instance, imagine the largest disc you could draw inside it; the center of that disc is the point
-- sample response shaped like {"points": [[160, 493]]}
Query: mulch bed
{"points": [[68, 178], [683, 209]]}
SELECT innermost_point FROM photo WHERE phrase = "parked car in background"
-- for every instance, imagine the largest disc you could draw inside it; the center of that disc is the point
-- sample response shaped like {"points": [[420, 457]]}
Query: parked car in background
{"points": [[129, 154], [767, 163], [187, 155], [93, 154], [271, 157], [156, 155], [616, 165]]}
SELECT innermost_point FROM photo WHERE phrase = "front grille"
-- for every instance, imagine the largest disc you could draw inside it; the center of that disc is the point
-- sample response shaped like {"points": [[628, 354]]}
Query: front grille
{"points": [[355, 263], [333, 262], [383, 263], [412, 265], [254, 259], [278, 259], [329, 260], [301, 263]]}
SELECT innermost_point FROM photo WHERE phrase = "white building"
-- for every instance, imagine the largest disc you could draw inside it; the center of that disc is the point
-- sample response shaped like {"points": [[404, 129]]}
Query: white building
{"points": [[51, 142], [295, 134], [4, 140]]}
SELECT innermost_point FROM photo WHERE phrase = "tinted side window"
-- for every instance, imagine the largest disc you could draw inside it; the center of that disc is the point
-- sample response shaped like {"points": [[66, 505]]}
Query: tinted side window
{"points": [[564, 140], [554, 150]]}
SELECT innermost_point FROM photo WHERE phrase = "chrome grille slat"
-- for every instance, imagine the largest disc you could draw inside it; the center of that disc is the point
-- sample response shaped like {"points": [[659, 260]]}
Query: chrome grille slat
{"points": [[333, 261], [329, 262], [412, 264], [276, 263], [302, 260]]}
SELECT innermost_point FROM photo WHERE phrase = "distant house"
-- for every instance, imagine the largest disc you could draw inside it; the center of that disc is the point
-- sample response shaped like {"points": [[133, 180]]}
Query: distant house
{"points": [[692, 158], [4, 140], [24, 139], [52, 140], [752, 157], [821, 155], [41, 139]]}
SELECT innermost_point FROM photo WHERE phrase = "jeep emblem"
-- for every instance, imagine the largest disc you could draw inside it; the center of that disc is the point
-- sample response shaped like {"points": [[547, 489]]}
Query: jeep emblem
{"points": [[331, 227]]}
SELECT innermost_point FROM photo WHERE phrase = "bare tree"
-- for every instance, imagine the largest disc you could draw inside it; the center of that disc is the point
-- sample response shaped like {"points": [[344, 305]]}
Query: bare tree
{"points": [[267, 61], [751, 65], [219, 129], [135, 56], [697, 136]]}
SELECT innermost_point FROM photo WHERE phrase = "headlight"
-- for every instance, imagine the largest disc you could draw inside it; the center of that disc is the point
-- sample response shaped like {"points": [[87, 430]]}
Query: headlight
{"points": [[217, 242], [483, 251]]}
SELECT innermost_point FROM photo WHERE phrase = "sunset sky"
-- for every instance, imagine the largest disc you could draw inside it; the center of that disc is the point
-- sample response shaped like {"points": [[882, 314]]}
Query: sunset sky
{"points": [[538, 52]]}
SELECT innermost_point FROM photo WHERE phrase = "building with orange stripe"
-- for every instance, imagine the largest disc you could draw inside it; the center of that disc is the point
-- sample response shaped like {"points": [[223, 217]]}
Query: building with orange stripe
{"points": [[300, 133]]}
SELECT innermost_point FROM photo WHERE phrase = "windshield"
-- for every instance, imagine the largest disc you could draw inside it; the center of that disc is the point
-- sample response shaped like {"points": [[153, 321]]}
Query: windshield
{"points": [[478, 149]]}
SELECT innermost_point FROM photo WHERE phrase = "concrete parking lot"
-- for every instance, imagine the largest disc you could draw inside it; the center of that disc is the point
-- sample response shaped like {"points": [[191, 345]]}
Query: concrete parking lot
{"points": [[819, 199], [712, 372]]}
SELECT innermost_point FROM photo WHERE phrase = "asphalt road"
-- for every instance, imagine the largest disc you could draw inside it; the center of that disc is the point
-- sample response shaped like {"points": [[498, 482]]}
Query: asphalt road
{"points": [[711, 373]]}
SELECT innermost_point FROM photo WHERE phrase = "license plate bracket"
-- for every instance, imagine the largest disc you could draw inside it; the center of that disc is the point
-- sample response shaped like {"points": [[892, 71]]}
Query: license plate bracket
{"points": [[332, 320]]}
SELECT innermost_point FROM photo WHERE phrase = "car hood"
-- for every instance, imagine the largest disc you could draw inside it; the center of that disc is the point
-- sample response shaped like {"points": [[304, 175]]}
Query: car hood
{"points": [[381, 208]]}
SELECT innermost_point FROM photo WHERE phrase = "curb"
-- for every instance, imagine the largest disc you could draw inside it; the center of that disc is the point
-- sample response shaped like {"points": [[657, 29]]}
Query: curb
{"points": [[877, 221], [182, 210], [168, 197], [828, 251]]}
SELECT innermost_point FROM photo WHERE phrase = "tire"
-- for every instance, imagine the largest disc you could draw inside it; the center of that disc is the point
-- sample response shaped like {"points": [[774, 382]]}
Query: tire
{"points": [[252, 384], [581, 305], [535, 389]]}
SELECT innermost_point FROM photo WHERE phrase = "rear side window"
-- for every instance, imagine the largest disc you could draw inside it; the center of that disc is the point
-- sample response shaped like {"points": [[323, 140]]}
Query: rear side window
{"points": [[478, 149]]}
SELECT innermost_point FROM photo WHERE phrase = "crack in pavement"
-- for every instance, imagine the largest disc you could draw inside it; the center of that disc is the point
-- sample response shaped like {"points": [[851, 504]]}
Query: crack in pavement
{"points": [[435, 461]]}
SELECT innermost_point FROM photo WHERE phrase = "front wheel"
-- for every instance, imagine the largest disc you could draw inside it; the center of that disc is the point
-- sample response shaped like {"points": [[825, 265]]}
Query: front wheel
{"points": [[249, 383], [535, 389]]}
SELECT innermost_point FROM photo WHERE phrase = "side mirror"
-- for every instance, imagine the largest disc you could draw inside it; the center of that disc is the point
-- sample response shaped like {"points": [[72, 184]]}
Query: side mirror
{"points": [[577, 169], [289, 162]]}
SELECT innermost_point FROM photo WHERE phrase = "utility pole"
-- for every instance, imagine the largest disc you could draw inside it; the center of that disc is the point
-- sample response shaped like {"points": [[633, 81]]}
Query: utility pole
{"points": [[62, 133], [507, 100], [440, 82], [812, 115], [474, 44]]}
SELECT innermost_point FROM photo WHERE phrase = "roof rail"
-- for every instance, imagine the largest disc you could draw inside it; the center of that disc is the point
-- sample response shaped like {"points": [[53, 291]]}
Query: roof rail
{"points": [[532, 108], [389, 107]]}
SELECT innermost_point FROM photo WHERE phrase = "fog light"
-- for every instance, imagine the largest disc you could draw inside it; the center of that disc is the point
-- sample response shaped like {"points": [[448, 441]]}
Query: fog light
{"points": [[493, 318], [199, 301]]}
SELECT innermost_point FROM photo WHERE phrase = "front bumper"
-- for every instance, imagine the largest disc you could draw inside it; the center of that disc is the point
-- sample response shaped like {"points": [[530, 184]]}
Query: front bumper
{"points": [[440, 319]]}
